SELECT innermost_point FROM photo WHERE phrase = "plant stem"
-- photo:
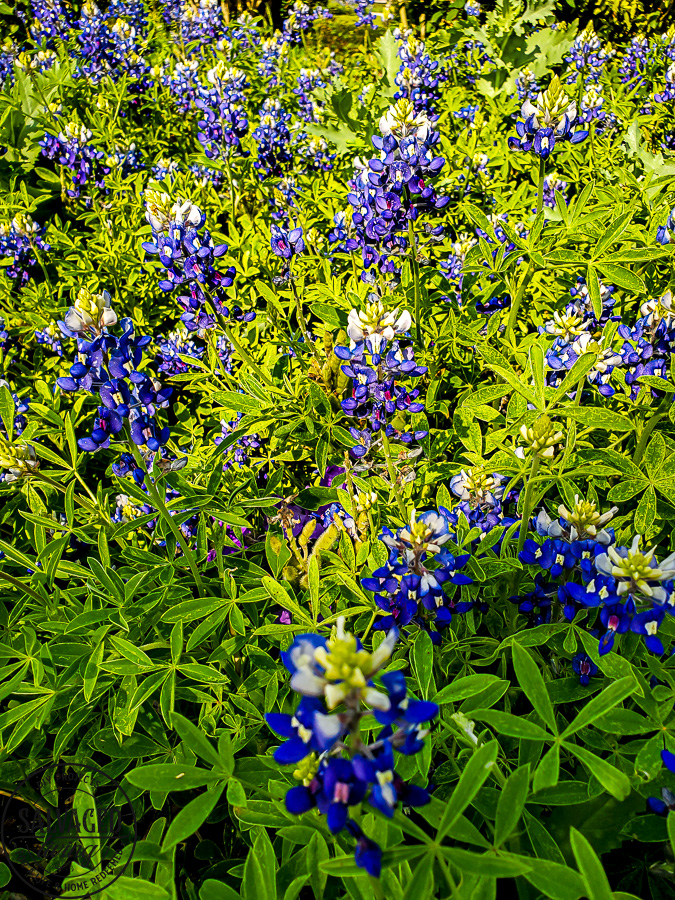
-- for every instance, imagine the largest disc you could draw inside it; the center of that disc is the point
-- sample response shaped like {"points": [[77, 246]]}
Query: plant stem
{"points": [[240, 350], [416, 281], [160, 506], [650, 425], [540, 186], [392, 476], [527, 502], [515, 304], [303, 325]]}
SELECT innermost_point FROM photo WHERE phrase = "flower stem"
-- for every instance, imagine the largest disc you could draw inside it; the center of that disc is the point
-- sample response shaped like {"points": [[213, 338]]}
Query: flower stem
{"points": [[649, 426], [527, 502], [164, 513], [515, 304], [392, 476], [540, 186], [303, 325], [240, 350], [416, 281]]}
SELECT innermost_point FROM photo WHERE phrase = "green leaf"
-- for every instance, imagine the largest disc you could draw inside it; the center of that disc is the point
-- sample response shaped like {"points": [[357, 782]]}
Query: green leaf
{"points": [[548, 770], [531, 681], [423, 661], [613, 780], [317, 852], [500, 865], [590, 867], [646, 511], [513, 726], [421, 881], [237, 402], [191, 817], [216, 890], [598, 706], [195, 740], [596, 417], [165, 777], [280, 595], [126, 888], [580, 368], [594, 291], [461, 688], [613, 233], [622, 277], [555, 881], [511, 803], [470, 782]]}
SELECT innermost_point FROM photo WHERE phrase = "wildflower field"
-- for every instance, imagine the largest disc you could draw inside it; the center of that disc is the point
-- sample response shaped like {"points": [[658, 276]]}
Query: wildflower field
{"points": [[337, 450]]}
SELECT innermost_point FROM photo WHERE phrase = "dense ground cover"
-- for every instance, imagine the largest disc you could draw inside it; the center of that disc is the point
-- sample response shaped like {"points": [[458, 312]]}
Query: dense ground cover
{"points": [[337, 438]]}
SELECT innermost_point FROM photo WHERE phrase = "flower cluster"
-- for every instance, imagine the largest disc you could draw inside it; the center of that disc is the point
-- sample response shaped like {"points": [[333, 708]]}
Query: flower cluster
{"points": [[550, 119], [377, 397], [20, 242], [395, 189], [72, 149], [336, 678], [109, 366], [273, 139], [629, 587], [223, 107], [587, 57], [187, 253], [410, 586], [419, 76]]}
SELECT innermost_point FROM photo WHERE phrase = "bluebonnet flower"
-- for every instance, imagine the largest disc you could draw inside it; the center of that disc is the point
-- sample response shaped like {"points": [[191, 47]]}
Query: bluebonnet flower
{"points": [[419, 76], [592, 110], [50, 336], [584, 667], [550, 119], [536, 604], [409, 587], [396, 188], [562, 355], [188, 255], [164, 169], [668, 92], [365, 17], [50, 21], [172, 348], [72, 149], [341, 233], [300, 17], [9, 52], [666, 233], [238, 453], [273, 139], [315, 153], [616, 620], [664, 804], [467, 113], [587, 57], [109, 366], [472, 9], [553, 183], [376, 372], [183, 84], [223, 107], [287, 244], [336, 768], [527, 85], [307, 81], [273, 52], [636, 572], [452, 267], [20, 241]]}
